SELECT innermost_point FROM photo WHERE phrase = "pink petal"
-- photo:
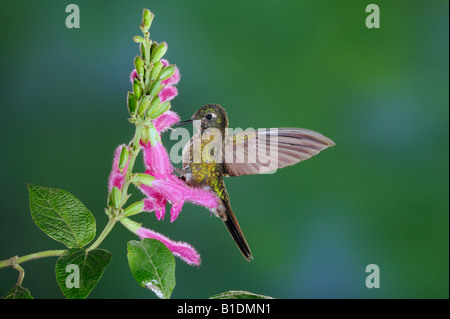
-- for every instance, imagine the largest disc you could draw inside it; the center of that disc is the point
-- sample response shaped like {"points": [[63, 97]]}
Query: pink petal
{"points": [[175, 211], [175, 190], [164, 62], [117, 178], [167, 93], [156, 159], [184, 251], [133, 75], [165, 120], [156, 204]]}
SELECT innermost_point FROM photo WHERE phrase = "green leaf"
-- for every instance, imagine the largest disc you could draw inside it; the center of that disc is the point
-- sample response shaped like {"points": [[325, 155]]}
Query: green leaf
{"points": [[18, 292], [78, 271], [61, 216], [239, 294], [152, 265]]}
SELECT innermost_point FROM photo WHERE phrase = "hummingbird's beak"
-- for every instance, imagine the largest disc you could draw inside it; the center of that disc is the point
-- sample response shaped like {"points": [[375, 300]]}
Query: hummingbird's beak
{"points": [[185, 122]]}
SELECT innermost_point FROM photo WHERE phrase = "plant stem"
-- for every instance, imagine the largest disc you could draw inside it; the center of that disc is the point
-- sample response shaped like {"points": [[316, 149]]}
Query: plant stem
{"points": [[14, 261], [135, 149], [103, 235], [21, 273]]}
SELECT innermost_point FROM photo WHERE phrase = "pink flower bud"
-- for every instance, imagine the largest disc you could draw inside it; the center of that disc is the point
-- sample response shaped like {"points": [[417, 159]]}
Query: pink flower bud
{"points": [[116, 178], [184, 251], [133, 75]]}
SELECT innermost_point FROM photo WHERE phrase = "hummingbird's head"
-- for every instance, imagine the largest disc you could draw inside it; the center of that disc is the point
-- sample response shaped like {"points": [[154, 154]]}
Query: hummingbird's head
{"points": [[211, 115]]}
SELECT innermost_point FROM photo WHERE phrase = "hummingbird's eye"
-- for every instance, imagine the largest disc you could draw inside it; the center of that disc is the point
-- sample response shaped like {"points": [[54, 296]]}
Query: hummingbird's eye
{"points": [[209, 116]]}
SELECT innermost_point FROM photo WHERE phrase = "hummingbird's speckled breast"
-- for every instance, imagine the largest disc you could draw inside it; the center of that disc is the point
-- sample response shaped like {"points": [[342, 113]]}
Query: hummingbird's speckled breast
{"points": [[204, 159]]}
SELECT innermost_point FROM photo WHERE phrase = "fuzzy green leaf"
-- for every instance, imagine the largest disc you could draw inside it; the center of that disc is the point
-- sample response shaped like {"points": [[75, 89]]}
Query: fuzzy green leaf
{"points": [[78, 271], [152, 265], [18, 292], [61, 216]]}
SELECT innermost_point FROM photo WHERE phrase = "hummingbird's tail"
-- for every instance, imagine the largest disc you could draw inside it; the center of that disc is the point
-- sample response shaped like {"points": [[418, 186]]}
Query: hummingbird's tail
{"points": [[235, 231]]}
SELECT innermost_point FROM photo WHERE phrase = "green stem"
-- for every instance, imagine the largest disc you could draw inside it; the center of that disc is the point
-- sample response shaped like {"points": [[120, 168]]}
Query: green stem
{"points": [[103, 235], [14, 261], [21, 273], [135, 149]]}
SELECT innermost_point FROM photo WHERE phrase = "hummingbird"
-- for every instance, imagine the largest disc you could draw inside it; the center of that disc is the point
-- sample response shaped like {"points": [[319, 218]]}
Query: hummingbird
{"points": [[212, 154]]}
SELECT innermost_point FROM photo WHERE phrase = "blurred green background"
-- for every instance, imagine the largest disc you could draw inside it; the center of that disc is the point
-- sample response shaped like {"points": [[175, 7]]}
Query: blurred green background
{"points": [[380, 196]]}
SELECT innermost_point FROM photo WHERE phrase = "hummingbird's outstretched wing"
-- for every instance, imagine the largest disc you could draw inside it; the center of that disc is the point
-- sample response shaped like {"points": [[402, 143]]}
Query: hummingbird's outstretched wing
{"points": [[265, 150]]}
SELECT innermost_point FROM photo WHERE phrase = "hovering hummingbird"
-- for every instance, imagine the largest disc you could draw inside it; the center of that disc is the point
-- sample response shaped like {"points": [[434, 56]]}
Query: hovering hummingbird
{"points": [[207, 158]]}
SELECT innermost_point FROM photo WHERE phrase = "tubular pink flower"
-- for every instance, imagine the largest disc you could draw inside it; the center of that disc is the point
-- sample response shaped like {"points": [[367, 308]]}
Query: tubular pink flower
{"points": [[177, 192], [133, 75], [166, 120], [156, 159], [117, 178], [184, 251], [167, 93]]}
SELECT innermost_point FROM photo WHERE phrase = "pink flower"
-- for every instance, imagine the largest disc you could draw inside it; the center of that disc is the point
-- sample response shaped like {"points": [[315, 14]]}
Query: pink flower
{"points": [[165, 120], [174, 190], [184, 251], [155, 203], [156, 159], [116, 178], [167, 93], [133, 75]]}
